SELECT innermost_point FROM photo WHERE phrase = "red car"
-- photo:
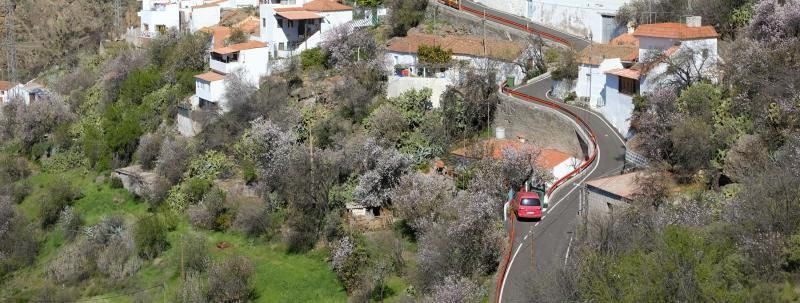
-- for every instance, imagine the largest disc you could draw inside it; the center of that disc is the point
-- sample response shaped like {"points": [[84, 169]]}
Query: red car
{"points": [[528, 205]]}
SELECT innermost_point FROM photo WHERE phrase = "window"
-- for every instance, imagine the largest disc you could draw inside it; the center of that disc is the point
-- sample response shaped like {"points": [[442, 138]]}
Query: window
{"points": [[291, 23], [280, 23], [531, 202], [280, 46], [628, 86], [264, 22]]}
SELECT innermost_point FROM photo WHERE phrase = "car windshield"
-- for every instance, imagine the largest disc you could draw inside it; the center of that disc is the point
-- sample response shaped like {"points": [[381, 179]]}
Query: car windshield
{"points": [[531, 202]]}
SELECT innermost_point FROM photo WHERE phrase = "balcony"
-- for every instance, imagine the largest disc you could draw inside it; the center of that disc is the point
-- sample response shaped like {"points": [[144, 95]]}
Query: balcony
{"points": [[224, 63]]}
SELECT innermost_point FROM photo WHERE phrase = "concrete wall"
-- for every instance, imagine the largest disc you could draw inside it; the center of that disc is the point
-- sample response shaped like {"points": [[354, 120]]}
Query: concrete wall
{"points": [[566, 167], [398, 85], [255, 63], [600, 206], [579, 17], [169, 17], [597, 79], [211, 91], [618, 107], [539, 125], [203, 17]]}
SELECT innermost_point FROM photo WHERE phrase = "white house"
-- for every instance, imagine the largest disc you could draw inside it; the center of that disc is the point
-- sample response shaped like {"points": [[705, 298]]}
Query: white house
{"points": [[6, 90], [290, 27], [250, 58], [158, 16], [402, 61], [559, 163], [610, 75], [584, 18]]}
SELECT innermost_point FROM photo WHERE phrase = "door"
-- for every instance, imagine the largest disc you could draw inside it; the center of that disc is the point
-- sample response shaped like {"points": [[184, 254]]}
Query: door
{"points": [[609, 28], [529, 11]]}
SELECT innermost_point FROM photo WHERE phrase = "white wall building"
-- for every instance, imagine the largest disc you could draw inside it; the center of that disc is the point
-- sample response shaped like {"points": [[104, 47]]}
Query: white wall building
{"points": [[290, 27], [402, 61], [610, 75], [158, 16], [584, 18], [250, 58]]}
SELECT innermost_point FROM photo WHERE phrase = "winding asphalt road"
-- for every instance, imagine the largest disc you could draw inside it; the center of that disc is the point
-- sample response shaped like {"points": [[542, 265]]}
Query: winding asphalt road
{"points": [[541, 248]]}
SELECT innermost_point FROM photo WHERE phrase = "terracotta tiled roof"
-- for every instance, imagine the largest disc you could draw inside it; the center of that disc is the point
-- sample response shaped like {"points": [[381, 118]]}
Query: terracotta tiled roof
{"points": [[625, 73], [239, 47], [210, 77], [596, 53], [622, 185], [326, 6], [288, 9], [249, 25], [220, 34], [299, 15], [625, 39], [678, 31], [460, 45], [5, 85], [550, 158]]}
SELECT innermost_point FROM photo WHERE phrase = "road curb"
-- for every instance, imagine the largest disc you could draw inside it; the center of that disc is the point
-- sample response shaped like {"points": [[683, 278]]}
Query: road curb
{"points": [[559, 182]]}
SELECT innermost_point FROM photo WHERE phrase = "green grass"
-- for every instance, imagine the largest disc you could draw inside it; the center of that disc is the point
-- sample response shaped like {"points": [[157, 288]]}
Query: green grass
{"points": [[278, 276]]}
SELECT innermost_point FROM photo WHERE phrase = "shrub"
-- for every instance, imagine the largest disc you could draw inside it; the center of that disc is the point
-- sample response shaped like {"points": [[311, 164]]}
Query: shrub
{"points": [[195, 252], [313, 58], [156, 192], [231, 280], [173, 159], [211, 165], [405, 14], [73, 264], [71, 223], [148, 150], [253, 218], [150, 235], [211, 213], [347, 260], [115, 182], [58, 195], [18, 244], [192, 290], [118, 260]]}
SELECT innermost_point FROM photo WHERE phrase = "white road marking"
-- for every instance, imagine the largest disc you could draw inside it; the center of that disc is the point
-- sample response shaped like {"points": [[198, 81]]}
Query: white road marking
{"points": [[547, 94], [566, 256], [510, 263]]}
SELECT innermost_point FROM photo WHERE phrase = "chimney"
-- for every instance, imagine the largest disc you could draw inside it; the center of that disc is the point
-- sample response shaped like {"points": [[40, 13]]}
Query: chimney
{"points": [[694, 21], [521, 138], [631, 27]]}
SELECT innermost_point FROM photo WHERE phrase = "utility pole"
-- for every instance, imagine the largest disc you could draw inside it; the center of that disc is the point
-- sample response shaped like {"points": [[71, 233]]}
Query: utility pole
{"points": [[117, 17], [9, 43]]}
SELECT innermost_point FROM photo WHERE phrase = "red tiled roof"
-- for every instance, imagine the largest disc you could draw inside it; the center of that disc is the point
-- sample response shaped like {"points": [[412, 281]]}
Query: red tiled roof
{"points": [[220, 34], [326, 6], [679, 31], [625, 39], [210, 77], [299, 15], [5, 85], [550, 158], [460, 45], [596, 53], [288, 9], [239, 47], [625, 73]]}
